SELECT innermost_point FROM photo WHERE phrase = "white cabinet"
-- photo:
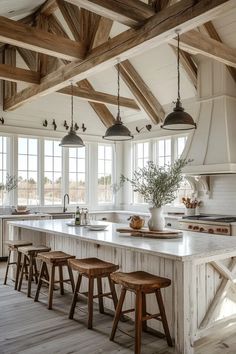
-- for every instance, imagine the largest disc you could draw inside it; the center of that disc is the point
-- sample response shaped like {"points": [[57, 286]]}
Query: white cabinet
{"points": [[4, 234], [171, 222]]}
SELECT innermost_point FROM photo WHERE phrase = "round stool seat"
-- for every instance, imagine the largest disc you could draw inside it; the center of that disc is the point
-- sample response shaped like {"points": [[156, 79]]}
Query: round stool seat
{"points": [[54, 256], [17, 243], [140, 281], [33, 250], [93, 266]]}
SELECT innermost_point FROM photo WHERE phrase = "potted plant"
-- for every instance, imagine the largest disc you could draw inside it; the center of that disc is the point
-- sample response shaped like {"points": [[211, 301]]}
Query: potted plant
{"points": [[11, 184], [158, 186]]}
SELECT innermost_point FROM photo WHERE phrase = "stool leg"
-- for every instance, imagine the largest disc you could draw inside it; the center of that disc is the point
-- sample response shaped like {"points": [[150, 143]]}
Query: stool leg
{"points": [[8, 261], [41, 274], [51, 285], [144, 312], [18, 264], [75, 296], [22, 273], [100, 298], [61, 280], [30, 278], [163, 317], [90, 302], [138, 322], [35, 270], [113, 292], [118, 313], [71, 277]]}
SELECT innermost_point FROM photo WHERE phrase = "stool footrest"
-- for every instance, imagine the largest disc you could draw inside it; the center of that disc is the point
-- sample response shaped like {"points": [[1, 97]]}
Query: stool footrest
{"points": [[155, 316], [128, 311]]}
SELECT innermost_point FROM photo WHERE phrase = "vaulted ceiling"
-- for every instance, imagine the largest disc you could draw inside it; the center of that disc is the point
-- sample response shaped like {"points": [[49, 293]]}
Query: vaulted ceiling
{"points": [[45, 47]]}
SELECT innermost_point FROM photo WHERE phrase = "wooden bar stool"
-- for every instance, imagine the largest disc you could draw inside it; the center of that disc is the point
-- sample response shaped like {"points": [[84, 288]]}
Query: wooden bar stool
{"points": [[54, 259], [29, 264], [141, 283], [13, 247], [93, 268]]}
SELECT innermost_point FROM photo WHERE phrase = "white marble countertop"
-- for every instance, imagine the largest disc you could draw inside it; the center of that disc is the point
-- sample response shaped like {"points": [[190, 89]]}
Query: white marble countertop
{"points": [[15, 216], [191, 245]]}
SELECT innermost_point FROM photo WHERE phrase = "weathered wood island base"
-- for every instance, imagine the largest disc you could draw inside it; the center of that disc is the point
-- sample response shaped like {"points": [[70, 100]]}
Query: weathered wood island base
{"points": [[201, 268]]}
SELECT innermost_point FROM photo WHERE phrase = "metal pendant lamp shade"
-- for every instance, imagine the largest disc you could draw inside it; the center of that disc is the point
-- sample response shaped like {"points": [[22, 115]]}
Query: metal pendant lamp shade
{"points": [[72, 140], [118, 131], [178, 119]]}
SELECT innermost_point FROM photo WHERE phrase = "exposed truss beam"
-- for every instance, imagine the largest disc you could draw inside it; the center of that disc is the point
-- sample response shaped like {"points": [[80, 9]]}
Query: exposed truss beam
{"points": [[128, 12], [71, 14], [210, 29], [197, 43], [9, 58], [29, 57], [13, 74], [20, 35], [48, 7], [99, 108], [157, 30], [100, 97], [101, 32], [144, 97]]}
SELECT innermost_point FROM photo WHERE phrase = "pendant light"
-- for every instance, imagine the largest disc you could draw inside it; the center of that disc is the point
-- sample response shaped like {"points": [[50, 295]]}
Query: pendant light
{"points": [[118, 131], [178, 119], [72, 140]]}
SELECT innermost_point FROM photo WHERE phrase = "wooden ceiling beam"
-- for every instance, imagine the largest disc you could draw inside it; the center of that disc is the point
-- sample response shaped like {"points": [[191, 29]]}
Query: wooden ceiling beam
{"points": [[24, 36], [144, 97], [129, 12], [211, 31], [100, 97], [29, 57], [157, 30], [195, 42], [13, 74]]}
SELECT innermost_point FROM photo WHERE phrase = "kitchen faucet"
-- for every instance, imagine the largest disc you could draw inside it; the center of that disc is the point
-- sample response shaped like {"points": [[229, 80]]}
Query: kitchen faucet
{"points": [[64, 202]]}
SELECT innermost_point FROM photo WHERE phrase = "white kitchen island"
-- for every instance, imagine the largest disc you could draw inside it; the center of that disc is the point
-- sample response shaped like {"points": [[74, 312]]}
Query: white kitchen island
{"points": [[201, 267]]}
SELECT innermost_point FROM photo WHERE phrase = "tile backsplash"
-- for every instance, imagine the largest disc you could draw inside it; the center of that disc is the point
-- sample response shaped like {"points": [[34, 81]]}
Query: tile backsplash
{"points": [[222, 196]]}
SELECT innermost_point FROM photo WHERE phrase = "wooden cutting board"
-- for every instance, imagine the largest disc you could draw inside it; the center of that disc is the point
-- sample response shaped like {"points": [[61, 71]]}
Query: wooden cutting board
{"points": [[151, 234]]}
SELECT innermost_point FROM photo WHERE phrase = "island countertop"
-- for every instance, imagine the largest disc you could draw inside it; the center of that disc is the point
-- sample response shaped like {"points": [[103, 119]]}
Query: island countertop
{"points": [[191, 245]]}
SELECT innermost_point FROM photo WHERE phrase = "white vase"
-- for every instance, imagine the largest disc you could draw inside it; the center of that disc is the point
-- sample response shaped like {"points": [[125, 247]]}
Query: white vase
{"points": [[156, 221], [190, 211]]}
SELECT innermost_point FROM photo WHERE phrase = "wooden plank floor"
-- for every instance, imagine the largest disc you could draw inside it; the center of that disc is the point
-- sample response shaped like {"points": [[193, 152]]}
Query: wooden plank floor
{"points": [[29, 328]]}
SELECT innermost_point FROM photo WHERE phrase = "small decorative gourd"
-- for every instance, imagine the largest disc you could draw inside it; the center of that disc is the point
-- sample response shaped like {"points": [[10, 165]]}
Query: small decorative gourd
{"points": [[136, 222]]}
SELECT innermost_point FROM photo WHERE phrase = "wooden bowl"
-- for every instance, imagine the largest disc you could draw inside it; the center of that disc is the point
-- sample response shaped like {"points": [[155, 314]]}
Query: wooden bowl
{"points": [[136, 223]]}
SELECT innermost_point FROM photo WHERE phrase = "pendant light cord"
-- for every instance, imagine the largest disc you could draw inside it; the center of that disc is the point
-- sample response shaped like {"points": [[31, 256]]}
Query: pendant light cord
{"points": [[118, 92], [178, 70], [72, 107]]}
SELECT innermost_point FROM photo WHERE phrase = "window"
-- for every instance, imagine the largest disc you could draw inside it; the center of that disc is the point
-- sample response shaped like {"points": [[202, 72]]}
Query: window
{"points": [[181, 141], [3, 166], [164, 152], [28, 171], [142, 154], [52, 172], [141, 158], [105, 174], [77, 190]]}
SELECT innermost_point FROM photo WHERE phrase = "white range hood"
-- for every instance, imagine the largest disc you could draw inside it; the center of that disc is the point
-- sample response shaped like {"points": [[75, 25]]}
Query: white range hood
{"points": [[212, 146]]}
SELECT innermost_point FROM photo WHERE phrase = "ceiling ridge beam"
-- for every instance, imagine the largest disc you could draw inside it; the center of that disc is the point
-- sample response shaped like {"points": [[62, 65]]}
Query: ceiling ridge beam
{"points": [[20, 35], [157, 30], [100, 97]]}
